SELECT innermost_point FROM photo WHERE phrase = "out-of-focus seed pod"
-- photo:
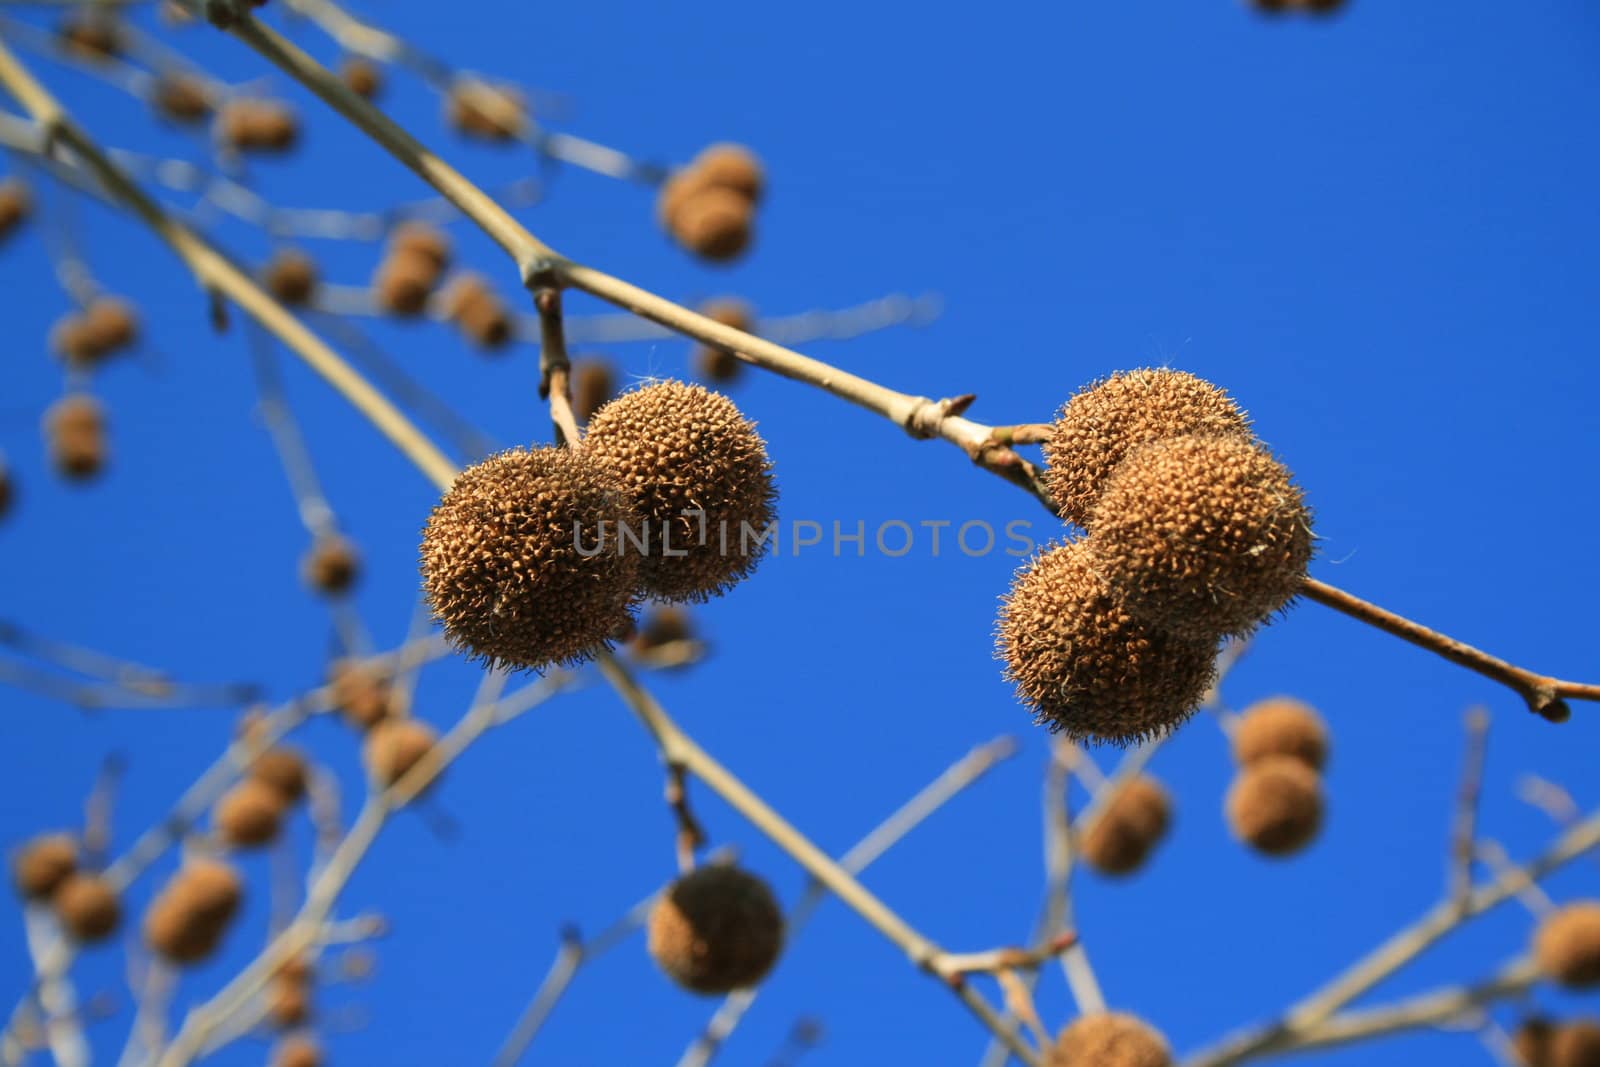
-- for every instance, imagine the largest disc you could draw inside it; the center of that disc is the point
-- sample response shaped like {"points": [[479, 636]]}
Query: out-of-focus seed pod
{"points": [[283, 769], [1576, 1044], [15, 206], [291, 277], [362, 696], [593, 385], [257, 125], [1275, 806], [424, 241], [733, 167], [1281, 726], [664, 625], [394, 746], [297, 1051], [113, 323], [87, 907], [75, 431], [181, 98], [1530, 1043], [90, 34], [469, 302], [716, 364], [188, 918], [331, 566], [715, 224], [1109, 1039], [486, 112], [716, 929], [43, 864], [403, 284], [361, 76], [1566, 945], [249, 815], [288, 1003], [1130, 827]]}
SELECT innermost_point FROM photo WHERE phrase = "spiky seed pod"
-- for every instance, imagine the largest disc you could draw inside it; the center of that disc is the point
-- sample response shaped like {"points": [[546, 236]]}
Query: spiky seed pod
{"points": [[1132, 824], [90, 35], [1110, 418], [113, 323], [1531, 1041], [712, 362], [1281, 726], [422, 240], [15, 206], [1576, 1044], [521, 562], [699, 473], [186, 921], [180, 98], [43, 864], [362, 696], [288, 1003], [1275, 806], [1567, 945], [75, 430], [733, 167], [291, 277], [282, 769], [331, 566], [249, 815], [1084, 665], [593, 384], [403, 284], [1109, 1039], [716, 929], [486, 112], [87, 907], [394, 746], [715, 224], [361, 76], [1202, 535], [297, 1051]]}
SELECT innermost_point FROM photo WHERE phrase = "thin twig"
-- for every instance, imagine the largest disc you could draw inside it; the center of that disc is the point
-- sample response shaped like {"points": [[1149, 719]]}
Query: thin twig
{"points": [[1464, 835]]}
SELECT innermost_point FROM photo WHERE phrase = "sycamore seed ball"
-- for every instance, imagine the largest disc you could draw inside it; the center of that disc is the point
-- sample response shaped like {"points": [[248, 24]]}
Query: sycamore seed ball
{"points": [[394, 746], [1109, 419], [403, 283], [593, 385], [486, 112], [696, 469], [1576, 1044], [1087, 668], [288, 1003], [15, 206], [291, 277], [282, 769], [87, 907], [297, 1051], [1202, 535], [715, 224], [1133, 823], [422, 240], [186, 921], [76, 434], [361, 76], [714, 363], [249, 814], [1281, 726], [716, 929], [1109, 1039], [733, 167], [331, 566], [1275, 806], [1530, 1042], [362, 696], [43, 864], [181, 98], [1567, 945], [520, 560]]}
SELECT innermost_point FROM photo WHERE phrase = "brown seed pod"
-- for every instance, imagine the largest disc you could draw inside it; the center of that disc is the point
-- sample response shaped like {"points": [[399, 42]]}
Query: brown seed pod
{"points": [[362, 696], [1109, 1039], [90, 35], [1567, 945], [464, 290], [1202, 535], [424, 241], [73, 341], [15, 206], [43, 864], [291, 277], [1531, 1042], [113, 323], [675, 192], [75, 431], [520, 560], [715, 224], [699, 474], [297, 1051], [486, 112], [1132, 824], [249, 815], [186, 921], [297, 968], [361, 76], [288, 1003], [733, 167], [482, 316], [258, 125], [665, 624], [394, 746], [716, 364], [282, 769], [1576, 1044], [87, 907], [1107, 420], [403, 284], [1086, 667], [593, 385], [1275, 806], [716, 929], [331, 566], [180, 98], [1281, 726]]}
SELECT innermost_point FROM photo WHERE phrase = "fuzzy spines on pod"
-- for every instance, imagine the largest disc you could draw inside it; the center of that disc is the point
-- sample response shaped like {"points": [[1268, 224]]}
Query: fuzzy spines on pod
{"points": [[1108, 419], [87, 907], [75, 430], [1281, 726], [697, 468], [394, 746], [189, 916], [1203, 535], [42, 864], [1084, 665], [282, 769], [1276, 806], [520, 560], [1566, 945], [249, 814], [1109, 1039], [1132, 824], [716, 929], [291, 277], [331, 566]]}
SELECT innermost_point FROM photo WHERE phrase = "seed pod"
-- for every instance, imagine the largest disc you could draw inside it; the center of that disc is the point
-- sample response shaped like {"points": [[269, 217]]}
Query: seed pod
{"points": [[733, 167], [361, 76], [1109, 1039], [87, 907], [1087, 668], [1576, 1044], [664, 625], [1202, 535], [288, 1003], [112, 323], [716, 929], [73, 341], [1275, 806], [403, 284], [394, 746], [90, 35], [181, 98], [486, 112], [1132, 824], [1531, 1042], [297, 1051], [592, 387], [362, 696], [249, 815], [675, 192], [699, 474], [424, 241], [43, 864], [715, 224], [714, 363], [297, 969], [464, 290], [187, 919], [331, 566], [1567, 945], [520, 560], [1109, 419], [75, 431], [291, 277], [1281, 726], [15, 206], [257, 125], [483, 317], [282, 769]]}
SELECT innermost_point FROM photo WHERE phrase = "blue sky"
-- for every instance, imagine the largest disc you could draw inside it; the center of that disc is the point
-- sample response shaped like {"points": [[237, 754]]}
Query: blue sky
{"points": [[1379, 232]]}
